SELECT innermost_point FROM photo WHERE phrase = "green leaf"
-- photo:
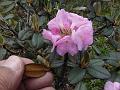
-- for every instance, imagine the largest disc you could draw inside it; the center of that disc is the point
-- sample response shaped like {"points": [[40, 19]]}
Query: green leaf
{"points": [[9, 8], [96, 49], [76, 75], [113, 62], [6, 3], [97, 62], [98, 72], [42, 20], [9, 16], [115, 76], [113, 42], [37, 40], [1, 40], [81, 86], [112, 56], [57, 63], [24, 34], [71, 64], [2, 53], [108, 31]]}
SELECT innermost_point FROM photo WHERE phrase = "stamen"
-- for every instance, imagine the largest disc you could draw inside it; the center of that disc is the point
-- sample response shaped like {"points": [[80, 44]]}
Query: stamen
{"points": [[65, 32]]}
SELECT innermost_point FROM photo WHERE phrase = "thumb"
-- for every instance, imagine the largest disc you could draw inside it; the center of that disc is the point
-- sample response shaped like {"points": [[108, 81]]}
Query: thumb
{"points": [[11, 71]]}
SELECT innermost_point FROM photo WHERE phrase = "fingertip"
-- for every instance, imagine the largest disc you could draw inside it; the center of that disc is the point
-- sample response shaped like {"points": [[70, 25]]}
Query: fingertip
{"points": [[26, 60], [14, 70], [36, 83], [47, 88], [14, 63]]}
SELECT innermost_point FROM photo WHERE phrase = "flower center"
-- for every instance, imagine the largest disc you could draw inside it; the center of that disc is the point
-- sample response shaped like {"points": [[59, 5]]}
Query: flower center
{"points": [[65, 32]]}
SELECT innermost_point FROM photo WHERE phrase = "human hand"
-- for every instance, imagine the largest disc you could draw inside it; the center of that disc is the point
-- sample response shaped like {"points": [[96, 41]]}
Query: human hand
{"points": [[11, 76]]}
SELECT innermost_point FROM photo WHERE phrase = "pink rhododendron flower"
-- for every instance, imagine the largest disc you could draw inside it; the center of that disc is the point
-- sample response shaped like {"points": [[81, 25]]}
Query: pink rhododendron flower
{"points": [[112, 86], [69, 33]]}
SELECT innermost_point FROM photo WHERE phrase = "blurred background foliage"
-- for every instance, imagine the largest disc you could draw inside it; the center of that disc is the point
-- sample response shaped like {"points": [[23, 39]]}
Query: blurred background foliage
{"points": [[22, 21]]}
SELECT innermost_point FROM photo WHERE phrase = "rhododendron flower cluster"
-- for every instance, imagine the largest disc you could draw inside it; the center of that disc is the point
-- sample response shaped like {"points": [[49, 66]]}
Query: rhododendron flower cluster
{"points": [[112, 86], [69, 33]]}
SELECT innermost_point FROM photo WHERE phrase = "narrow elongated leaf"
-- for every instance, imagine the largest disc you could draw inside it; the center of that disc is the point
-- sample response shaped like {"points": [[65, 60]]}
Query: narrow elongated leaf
{"points": [[113, 62], [9, 8], [112, 56], [81, 86], [24, 34], [97, 62], [76, 74], [2, 53], [98, 72], [42, 20], [9, 16], [37, 40], [6, 3], [57, 63], [71, 64], [108, 31], [35, 70], [96, 49], [1, 40], [35, 22]]}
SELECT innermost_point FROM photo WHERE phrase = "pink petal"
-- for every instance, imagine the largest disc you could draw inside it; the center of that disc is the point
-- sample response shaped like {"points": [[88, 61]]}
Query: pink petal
{"points": [[62, 19], [112, 86], [108, 86], [83, 36], [77, 21], [61, 50], [49, 36], [87, 33], [53, 26], [66, 45], [117, 85], [77, 39]]}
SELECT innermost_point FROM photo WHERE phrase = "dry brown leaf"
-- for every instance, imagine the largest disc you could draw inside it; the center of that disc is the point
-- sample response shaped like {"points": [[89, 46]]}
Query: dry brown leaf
{"points": [[35, 70]]}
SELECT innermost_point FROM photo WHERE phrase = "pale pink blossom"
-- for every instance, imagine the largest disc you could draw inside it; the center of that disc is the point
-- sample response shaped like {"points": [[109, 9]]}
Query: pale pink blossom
{"points": [[112, 86], [69, 33]]}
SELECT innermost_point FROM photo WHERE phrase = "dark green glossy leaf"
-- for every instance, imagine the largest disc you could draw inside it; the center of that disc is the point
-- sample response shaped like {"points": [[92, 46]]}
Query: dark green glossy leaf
{"points": [[42, 20], [81, 86], [76, 75], [9, 8], [37, 40], [113, 42], [2, 53], [57, 63], [113, 62], [9, 16], [108, 31], [98, 72], [24, 34], [71, 64], [97, 62], [6, 3], [115, 77], [112, 56], [1, 40], [96, 49]]}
